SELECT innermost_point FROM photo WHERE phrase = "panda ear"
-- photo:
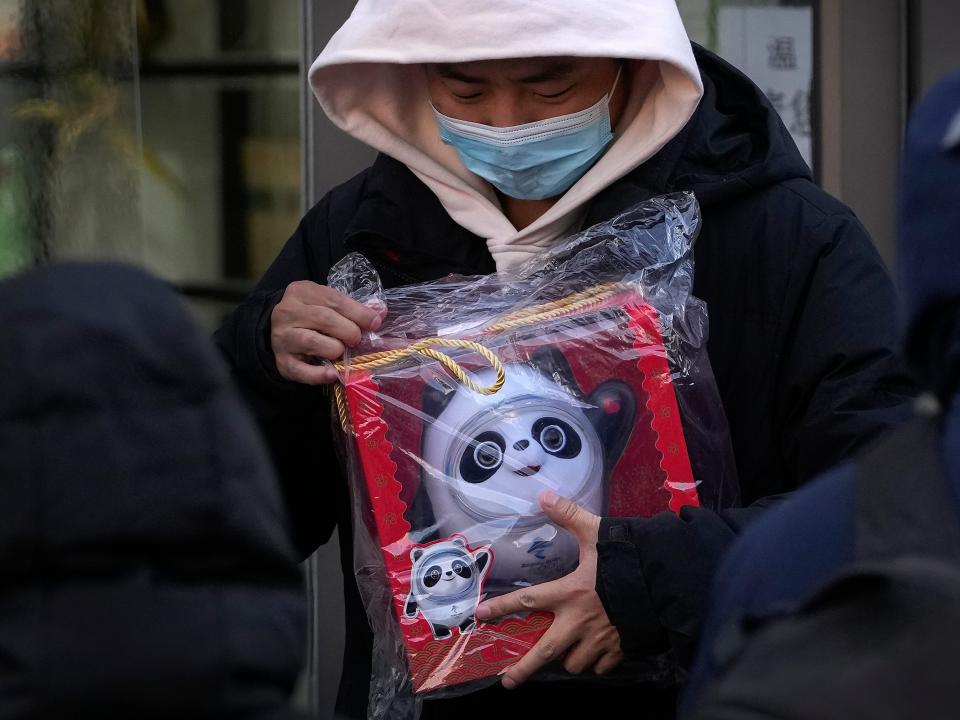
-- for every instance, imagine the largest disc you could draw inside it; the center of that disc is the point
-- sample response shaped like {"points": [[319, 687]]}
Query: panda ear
{"points": [[457, 540], [436, 396], [612, 412], [481, 558], [416, 554], [553, 363]]}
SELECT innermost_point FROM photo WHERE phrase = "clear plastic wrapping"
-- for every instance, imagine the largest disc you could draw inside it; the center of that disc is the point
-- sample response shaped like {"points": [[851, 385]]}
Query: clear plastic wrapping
{"points": [[583, 372]]}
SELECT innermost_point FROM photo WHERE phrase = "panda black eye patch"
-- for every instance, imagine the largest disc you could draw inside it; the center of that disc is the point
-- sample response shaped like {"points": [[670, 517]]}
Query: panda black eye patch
{"points": [[483, 457], [557, 437], [462, 569], [432, 576]]}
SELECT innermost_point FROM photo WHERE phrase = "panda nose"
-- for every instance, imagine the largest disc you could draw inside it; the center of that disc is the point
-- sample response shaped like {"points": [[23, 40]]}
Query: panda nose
{"points": [[449, 573], [521, 445]]}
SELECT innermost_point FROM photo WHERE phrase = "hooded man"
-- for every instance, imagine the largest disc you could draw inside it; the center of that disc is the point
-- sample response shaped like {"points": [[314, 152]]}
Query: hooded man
{"points": [[504, 126]]}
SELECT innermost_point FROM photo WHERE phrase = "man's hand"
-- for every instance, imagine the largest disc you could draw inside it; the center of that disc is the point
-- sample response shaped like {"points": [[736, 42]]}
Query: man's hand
{"points": [[581, 629], [313, 323]]}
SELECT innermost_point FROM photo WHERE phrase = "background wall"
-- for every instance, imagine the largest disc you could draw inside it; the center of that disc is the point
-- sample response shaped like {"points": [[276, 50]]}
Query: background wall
{"points": [[935, 45], [863, 108], [336, 157]]}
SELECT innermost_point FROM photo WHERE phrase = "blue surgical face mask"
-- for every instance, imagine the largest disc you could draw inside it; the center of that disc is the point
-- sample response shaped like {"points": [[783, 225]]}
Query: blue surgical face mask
{"points": [[537, 160]]}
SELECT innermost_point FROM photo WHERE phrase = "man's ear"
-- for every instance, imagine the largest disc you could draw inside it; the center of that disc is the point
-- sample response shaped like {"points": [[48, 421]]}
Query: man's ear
{"points": [[613, 409]]}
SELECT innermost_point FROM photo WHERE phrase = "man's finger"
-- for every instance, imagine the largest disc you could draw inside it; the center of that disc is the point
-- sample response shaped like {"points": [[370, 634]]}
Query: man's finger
{"points": [[608, 662], [583, 655], [296, 370], [538, 597], [328, 321], [308, 343], [365, 317], [549, 648], [582, 524]]}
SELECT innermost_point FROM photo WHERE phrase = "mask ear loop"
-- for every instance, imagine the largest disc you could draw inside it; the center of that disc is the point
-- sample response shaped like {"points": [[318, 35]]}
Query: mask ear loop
{"points": [[616, 81]]}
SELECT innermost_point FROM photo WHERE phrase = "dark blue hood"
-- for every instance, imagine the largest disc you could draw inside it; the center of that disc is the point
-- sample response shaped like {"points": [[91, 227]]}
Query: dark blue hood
{"points": [[146, 567], [930, 236]]}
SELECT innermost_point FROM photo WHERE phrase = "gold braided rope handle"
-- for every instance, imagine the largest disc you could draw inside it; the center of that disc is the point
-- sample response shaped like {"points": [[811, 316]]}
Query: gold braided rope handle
{"points": [[559, 308], [547, 311], [424, 348]]}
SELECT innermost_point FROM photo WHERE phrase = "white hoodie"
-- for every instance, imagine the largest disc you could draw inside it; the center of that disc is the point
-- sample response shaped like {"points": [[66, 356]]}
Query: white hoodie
{"points": [[370, 82]]}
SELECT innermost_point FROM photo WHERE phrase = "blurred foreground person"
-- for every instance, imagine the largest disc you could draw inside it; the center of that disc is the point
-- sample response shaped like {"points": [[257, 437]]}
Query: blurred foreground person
{"points": [[881, 639], [145, 567]]}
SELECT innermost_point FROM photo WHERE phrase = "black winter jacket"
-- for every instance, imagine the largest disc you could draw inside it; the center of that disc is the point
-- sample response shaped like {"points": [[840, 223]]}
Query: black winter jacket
{"points": [[803, 342], [146, 570]]}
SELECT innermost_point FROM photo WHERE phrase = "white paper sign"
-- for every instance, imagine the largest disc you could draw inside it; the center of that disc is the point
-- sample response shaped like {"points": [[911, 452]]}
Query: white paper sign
{"points": [[774, 47]]}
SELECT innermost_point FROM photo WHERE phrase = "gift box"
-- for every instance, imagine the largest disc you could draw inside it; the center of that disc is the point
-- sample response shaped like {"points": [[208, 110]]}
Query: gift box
{"points": [[455, 436], [583, 371]]}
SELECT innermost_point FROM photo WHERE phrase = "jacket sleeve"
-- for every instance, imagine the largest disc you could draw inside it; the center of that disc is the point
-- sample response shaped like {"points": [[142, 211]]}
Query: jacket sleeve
{"points": [[841, 384], [654, 575], [294, 418]]}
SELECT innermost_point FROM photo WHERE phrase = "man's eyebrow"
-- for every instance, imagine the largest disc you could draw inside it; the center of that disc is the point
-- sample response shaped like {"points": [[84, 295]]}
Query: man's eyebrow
{"points": [[450, 72], [557, 70]]}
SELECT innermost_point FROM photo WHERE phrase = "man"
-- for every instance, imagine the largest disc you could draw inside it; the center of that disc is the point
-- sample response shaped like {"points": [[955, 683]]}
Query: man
{"points": [[504, 126]]}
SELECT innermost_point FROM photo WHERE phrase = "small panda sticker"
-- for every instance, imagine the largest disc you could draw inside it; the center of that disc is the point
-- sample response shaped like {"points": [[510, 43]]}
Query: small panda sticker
{"points": [[446, 582]]}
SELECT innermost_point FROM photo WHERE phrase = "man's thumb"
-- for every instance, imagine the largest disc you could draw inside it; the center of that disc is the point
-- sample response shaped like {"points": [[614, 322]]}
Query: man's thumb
{"points": [[568, 515]]}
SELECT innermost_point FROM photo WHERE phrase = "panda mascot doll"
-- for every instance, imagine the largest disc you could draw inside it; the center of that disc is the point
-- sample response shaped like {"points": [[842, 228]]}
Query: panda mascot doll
{"points": [[445, 585], [487, 458]]}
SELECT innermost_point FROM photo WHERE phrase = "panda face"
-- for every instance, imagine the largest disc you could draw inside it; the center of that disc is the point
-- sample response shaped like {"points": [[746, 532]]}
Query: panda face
{"points": [[504, 459], [446, 575], [485, 455], [494, 455]]}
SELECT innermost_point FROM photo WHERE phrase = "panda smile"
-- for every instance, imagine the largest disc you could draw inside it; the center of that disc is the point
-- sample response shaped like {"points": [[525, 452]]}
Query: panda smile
{"points": [[528, 470]]}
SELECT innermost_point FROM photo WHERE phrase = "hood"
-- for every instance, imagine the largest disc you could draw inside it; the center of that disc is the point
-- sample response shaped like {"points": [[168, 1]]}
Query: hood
{"points": [[370, 82], [735, 143], [929, 246], [146, 567]]}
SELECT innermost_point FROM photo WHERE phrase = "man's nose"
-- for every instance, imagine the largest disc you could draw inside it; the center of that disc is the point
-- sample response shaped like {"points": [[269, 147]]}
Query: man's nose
{"points": [[504, 112]]}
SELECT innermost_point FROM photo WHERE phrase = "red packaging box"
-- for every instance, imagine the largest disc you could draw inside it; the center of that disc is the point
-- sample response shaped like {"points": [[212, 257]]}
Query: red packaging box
{"points": [[585, 407]]}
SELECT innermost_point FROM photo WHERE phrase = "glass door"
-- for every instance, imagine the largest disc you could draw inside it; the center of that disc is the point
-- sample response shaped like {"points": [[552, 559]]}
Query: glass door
{"points": [[70, 146], [220, 91]]}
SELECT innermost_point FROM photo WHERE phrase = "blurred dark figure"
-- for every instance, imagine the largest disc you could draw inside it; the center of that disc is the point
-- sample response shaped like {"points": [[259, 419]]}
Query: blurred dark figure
{"points": [[845, 601], [145, 567]]}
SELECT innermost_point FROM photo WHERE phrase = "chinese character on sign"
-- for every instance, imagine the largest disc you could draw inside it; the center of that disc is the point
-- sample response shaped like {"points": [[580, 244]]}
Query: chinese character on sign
{"points": [[801, 124], [774, 46], [783, 53]]}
